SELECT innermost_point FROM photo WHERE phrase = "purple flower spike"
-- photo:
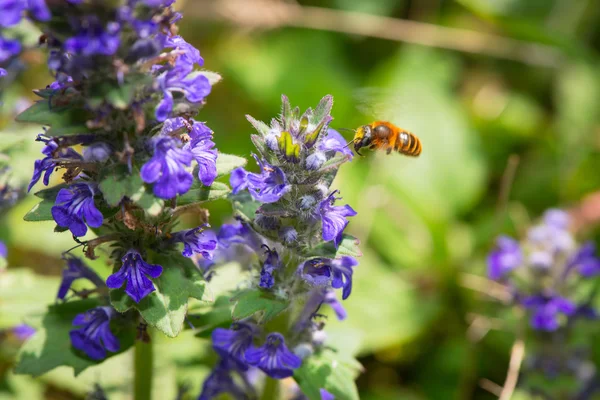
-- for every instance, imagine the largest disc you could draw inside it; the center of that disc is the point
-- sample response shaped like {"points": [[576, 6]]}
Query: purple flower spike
{"points": [[547, 309], [331, 299], [3, 250], [342, 275], [220, 382], [76, 269], [3, 72], [194, 87], [585, 260], [189, 57], [232, 343], [94, 39], [39, 10], [202, 148], [324, 272], [74, 207], [269, 266], [334, 219], [94, 337], [23, 331], [506, 257], [325, 395], [135, 272], [198, 240], [166, 169], [12, 11], [8, 48], [267, 187], [47, 164], [274, 358], [333, 141]]}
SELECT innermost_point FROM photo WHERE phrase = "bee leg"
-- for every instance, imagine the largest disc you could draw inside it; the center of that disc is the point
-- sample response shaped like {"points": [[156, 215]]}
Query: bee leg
{"points": [[359, 153]]}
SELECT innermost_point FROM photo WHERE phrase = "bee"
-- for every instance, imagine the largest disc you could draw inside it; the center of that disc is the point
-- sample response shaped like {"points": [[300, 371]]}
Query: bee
{"points": [[382, 135]]}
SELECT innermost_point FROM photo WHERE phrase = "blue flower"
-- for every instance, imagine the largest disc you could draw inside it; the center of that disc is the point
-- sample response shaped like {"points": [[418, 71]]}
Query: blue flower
{"points": [[288, 235], [23, 331], [324, 272], [39, 10], [585, 261], [94, 39], [315, 160], [331, 300], [195, 88], [506, 257], [273, 357], [233, 343], [97, 152], [188, 57], [8, 48], [76, 269], [53, 152], [547, 309], [12, 11], [220, 381], [202, 148], [333, 141], [271, 263], [94, 337], [267, 187], [3, 72], [198, 240], [135, 272], [334, 218], [74, 207], [166, 169], [325, 395], [3, 250]]}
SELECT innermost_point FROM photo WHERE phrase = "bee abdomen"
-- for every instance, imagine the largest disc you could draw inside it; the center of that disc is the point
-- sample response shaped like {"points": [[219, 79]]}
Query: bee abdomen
{"points": [[408, 144]]}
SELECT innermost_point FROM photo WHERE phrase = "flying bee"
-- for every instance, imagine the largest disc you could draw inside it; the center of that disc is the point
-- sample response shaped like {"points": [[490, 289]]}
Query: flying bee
{"points": [[382, 135]]}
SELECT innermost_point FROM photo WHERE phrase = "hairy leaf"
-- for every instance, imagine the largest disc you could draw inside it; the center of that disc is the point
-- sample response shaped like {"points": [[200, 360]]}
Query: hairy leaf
{"points": [[252, 302], [330, 371], [50, 347], [200, 194], [117, 183], [228, 162]]}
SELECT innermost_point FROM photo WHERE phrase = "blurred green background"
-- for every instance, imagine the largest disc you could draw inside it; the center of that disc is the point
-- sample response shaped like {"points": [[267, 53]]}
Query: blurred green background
{"points": [[481, 82]]}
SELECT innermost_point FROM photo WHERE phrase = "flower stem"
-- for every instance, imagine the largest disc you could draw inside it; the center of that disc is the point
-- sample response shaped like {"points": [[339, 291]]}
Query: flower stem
{"points": [[143, 363], [271, 390]]}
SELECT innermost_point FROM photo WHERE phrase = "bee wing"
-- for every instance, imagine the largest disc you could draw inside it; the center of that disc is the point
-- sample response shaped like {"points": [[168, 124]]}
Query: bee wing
{"points": [[378, 103]]}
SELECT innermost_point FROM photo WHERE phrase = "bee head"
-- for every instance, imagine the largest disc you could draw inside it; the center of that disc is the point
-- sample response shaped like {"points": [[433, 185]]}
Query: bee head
{"points": [[362, 138]]}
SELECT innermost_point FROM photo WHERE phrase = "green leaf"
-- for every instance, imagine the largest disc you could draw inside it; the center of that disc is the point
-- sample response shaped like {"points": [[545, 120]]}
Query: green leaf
{"points": [[227, 163], [328, 370], [151, 204], [286, 112], [40, 212], [117, 183], [244, 205], [251, 302], [348, 247], [22, 292], [50, 347], [116, 94], [260, 126], [200, 194], [57, 117], [217, 315], [323, 110], [166, 307], [50, 193]]}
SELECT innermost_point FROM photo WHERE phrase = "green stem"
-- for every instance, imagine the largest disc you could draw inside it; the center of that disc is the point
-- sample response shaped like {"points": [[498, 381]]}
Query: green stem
{"points": [[271, 390], [142, 364]]}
